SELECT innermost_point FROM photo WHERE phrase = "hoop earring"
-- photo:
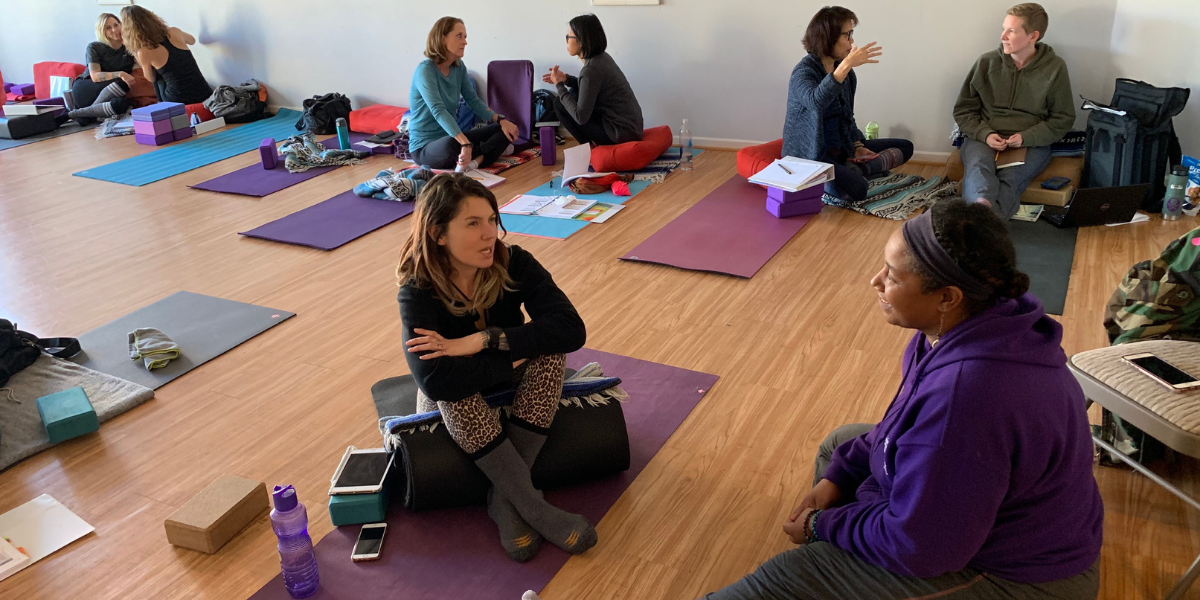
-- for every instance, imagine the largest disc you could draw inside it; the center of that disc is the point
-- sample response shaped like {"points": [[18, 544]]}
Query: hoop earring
{"points": [[941, 327]]}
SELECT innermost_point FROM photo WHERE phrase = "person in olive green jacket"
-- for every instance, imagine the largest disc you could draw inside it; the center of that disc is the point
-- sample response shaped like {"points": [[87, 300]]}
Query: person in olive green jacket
{"points": [[1017, 96]]}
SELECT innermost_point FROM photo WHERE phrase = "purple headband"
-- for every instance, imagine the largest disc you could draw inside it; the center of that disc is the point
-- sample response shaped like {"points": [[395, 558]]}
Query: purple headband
{"points": [[922, 243]]}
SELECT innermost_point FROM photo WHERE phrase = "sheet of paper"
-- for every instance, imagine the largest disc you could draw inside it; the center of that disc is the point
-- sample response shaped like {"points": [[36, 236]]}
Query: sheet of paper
{"points": [[576, 162], [12, 559], [1138, 217], [793, 174], [42, 526], [526, 204], [600, 212], [565, 207]]}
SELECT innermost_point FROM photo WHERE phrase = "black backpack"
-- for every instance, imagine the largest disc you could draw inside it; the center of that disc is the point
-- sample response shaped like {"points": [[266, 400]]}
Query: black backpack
{"points": [[1138, 146], [322, 112], [19, 349], [543, 106]]}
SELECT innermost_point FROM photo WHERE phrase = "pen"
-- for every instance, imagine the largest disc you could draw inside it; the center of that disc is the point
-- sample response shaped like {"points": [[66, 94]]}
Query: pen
{"points": [[787, 170]]}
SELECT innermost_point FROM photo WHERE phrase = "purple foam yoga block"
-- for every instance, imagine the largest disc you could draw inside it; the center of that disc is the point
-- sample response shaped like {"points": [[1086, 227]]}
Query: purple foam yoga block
{"points": [[175, 108], [270, 157], [152, 128], [22, 89], [784, 210], [53, 102], [785, 197], [155, 112], [7, 86], [183, 134], [547, 136], [155, 140]]}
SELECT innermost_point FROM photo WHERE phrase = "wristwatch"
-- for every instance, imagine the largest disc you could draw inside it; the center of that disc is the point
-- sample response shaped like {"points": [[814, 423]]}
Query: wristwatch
{"points": [[500, 117]]}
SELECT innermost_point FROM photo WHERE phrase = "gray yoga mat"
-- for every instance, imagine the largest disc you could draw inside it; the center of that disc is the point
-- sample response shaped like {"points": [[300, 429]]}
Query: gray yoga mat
{"points": [[66, 129], [205, 327], [1045, 253]]}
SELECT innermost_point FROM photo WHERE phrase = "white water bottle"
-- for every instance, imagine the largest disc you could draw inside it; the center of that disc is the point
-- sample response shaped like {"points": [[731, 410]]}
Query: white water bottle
{"points": [[685, 147]]}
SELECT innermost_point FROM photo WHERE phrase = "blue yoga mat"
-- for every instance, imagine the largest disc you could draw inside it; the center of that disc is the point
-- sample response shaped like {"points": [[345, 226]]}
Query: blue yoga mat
{"points": [[181, 157], [561, 229]]}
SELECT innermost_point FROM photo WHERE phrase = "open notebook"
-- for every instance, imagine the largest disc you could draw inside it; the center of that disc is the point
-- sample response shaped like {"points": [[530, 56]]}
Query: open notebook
{"points": [[793, 174]]}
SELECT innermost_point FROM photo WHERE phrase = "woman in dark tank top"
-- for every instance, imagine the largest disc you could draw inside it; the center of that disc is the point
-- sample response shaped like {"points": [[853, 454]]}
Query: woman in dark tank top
{"points": [[163, 50]]}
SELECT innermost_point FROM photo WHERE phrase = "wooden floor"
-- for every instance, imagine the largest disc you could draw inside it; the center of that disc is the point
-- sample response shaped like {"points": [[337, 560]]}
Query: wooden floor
{"points": [[800, 349]]}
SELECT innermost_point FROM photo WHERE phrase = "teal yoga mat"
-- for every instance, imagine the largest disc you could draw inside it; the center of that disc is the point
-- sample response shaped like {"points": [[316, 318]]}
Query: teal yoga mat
{"points": [[1045, 253], [181, 157], [561, 229]]}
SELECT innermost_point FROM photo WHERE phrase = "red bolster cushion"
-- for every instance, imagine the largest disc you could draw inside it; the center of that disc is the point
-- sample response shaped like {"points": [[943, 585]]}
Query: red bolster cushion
{"points": [[376, 118], [632, 156], [752, 159], [43, 70]]}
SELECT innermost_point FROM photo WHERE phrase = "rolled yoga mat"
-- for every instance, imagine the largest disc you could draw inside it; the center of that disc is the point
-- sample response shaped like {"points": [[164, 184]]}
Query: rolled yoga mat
{"points": [[66, 129], [729, 231], [194, 153], [204, 327], [1045, 253], [456, 553], [332, 223], [588, 440]]}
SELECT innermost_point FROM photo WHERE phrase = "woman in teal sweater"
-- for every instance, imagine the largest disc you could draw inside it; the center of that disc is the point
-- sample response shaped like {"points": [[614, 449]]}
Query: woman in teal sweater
{"points": [[435, 140]]}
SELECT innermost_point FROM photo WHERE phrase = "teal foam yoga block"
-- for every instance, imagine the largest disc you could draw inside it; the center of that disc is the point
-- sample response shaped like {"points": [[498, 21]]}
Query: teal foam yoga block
{"points": [[67, 414], [353, 509]]}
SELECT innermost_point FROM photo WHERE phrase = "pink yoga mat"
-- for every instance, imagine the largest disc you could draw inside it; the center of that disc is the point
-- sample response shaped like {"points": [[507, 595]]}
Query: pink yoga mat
{"points": [[456, 553], [334, 222], [729, 231]]}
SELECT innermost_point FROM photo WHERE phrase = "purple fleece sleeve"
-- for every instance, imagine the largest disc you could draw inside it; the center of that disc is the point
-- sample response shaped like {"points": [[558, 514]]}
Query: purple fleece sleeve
{"points": [[850, 465]]}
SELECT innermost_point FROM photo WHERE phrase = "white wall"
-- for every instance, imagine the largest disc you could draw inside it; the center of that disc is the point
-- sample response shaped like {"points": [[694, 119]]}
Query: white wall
{"points": [[723, 64], [1156, 41]]}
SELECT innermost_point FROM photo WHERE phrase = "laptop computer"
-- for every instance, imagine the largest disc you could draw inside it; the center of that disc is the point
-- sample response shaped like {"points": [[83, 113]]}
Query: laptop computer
{"points": [[1101, 206]]}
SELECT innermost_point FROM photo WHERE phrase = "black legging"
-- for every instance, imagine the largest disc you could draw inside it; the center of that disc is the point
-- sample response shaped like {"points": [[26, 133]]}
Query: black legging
{"points": [[590, 132], [488, 141], [848, 181], [84, 92]]}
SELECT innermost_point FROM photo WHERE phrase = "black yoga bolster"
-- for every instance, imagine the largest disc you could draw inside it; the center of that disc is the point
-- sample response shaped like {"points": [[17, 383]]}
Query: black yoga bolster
{"points": [[584, 443]]}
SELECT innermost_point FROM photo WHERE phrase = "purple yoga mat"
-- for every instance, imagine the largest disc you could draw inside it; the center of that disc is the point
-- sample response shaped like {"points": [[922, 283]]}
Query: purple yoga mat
{"points": [[257, 181], [334, 222], [729, 231], [455, 553]]}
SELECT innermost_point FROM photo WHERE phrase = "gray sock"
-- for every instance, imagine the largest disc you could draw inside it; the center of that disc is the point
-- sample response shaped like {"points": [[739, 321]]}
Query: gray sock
{"points": [[102, 110], [112, 91], [520, 541], [510, 475]]}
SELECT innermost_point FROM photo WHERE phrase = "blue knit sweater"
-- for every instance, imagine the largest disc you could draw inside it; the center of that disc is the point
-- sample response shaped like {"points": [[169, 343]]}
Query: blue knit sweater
{"points": [[810, 91]]}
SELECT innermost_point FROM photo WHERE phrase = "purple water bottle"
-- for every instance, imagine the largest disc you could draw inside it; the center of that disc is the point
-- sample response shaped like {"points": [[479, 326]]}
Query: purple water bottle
{"points": [[289, 519]]}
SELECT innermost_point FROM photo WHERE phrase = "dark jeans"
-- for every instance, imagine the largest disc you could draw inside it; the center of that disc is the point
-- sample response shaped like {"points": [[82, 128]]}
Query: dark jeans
{"points": [[822, 570], [848, 182], [488, 142], [584, 133]]}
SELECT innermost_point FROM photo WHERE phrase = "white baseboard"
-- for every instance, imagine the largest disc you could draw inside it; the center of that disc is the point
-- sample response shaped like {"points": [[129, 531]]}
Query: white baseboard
{"points": [[732, 144], [931, 157]]}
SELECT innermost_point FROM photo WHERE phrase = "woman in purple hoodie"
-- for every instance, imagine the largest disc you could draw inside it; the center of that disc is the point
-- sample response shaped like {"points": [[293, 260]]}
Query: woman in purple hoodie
{"points": [[978, 481]]}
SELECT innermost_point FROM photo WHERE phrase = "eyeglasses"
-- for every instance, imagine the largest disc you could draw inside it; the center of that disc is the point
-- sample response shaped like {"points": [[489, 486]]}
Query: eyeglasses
{"points": [[848, 35], [571, 37]]}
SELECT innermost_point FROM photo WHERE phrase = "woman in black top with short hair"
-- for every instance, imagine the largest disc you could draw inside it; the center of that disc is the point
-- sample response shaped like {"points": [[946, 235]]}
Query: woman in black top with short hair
{"points": [[100, 91], [598, 107]]}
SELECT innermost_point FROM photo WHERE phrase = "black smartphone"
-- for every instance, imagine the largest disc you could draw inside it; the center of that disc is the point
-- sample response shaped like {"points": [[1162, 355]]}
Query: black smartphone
{"points": [[1055, 183]]}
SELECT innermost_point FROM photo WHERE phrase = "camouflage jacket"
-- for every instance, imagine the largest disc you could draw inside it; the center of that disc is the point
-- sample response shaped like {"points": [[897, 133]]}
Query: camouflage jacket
{"points": [[1159, 299]]}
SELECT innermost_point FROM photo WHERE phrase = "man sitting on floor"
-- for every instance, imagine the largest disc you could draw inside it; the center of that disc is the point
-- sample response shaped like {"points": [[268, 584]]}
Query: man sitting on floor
{"points": [[1018, 96]]}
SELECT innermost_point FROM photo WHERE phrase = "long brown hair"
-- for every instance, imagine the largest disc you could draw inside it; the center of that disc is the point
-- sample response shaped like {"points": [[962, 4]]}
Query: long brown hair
{"points": [[141, 28], [426, 264], [435, 44]]}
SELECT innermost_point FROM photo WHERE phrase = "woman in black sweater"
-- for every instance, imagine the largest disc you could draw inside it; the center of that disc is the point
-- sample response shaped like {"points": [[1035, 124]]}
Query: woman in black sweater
{"points": [[598, 107], [99, 92], [461, 294]]}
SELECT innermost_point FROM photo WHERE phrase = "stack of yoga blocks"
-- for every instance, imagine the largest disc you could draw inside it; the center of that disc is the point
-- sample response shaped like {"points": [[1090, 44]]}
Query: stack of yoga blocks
{"points": [[783, 204], [161, 123]]}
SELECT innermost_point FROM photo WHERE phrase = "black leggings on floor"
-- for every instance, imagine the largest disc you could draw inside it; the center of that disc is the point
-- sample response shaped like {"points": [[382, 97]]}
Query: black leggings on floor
{"points": [[84, 92], [488, 142], [590, 132], [848, 181]]}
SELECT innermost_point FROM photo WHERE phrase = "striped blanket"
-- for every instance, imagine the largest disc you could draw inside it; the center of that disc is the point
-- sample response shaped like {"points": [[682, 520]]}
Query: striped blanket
{"points": [[896, 196], [505, 163]]}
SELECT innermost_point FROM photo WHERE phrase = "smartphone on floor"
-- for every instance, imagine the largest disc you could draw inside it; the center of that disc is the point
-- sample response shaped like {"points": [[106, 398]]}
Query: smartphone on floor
{"points": [[1162, 371], [370, 542]]}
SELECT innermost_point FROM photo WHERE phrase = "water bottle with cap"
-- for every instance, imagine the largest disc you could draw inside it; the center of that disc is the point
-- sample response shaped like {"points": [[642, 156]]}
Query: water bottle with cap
{"points": [[343, 133], [685, 147], [1173, 200], [289, 519], [871, 132]]}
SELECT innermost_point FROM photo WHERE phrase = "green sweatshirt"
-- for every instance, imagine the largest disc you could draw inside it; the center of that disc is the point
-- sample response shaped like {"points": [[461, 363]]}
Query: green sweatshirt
{"points": [[1034, 101]]}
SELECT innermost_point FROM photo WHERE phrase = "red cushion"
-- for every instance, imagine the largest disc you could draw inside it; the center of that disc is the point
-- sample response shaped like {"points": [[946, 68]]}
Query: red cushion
{"points": [[376, 118], [752, 159], [632, 156], [43, 70], [198, 109]]}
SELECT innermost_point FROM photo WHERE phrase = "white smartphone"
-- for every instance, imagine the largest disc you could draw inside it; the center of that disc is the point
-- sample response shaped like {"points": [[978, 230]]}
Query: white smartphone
{"points": [[370, 542], [1162, 371], [361, 471]]}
